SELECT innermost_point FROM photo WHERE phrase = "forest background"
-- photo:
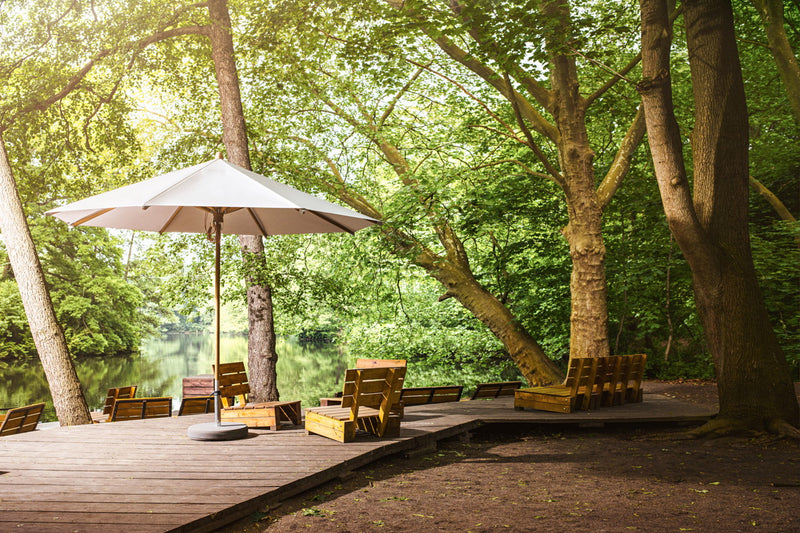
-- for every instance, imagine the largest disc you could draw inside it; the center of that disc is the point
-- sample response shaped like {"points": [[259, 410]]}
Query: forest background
{"points": [[319, 79]]}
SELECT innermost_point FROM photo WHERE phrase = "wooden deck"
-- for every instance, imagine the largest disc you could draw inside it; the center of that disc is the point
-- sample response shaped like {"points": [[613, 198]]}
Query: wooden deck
{"points": [[148, 476]]}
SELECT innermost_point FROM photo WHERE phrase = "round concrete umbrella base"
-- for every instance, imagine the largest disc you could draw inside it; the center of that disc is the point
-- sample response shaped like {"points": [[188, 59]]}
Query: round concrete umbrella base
{"points": [[212, 431]]}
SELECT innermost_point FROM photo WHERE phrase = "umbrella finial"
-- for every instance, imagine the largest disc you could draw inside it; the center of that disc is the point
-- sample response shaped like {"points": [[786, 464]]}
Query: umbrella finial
{"points": [[219, 155]]}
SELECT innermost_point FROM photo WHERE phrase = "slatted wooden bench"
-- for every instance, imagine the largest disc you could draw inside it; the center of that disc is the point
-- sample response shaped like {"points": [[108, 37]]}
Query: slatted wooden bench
{"points": [[139, 408], [368, 400], [196, 405], [591, 382], [112, 396], [367, 363], [580, 390], [426, 395], [622, 379], [496, 389], [21, 419]]}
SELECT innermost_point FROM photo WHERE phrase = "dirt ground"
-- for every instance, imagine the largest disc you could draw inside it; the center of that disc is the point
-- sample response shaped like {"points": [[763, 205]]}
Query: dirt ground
{"points": [[612, 479]]}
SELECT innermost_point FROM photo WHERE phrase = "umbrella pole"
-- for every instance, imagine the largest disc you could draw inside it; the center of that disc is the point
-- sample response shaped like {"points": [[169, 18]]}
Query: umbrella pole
{"points": [[217, 430], [217, 253]]}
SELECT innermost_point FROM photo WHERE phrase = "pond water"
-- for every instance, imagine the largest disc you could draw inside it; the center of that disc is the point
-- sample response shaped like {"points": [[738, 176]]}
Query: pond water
{"points": [[306, 371]]}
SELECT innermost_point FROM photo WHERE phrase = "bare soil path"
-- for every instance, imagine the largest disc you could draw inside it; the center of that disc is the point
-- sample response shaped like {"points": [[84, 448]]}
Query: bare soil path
{"points": [[555, 479]]}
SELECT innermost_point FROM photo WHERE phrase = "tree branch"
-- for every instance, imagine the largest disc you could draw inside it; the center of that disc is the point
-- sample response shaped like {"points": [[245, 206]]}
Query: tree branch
{"points": [[75, 80], [622, 160], [552, 170], [399, 94]]}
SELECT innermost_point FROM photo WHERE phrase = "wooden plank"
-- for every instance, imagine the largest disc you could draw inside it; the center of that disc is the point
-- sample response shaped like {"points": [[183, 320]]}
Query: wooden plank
{"points": [[161, 480], [202, 385], [496, 389]]}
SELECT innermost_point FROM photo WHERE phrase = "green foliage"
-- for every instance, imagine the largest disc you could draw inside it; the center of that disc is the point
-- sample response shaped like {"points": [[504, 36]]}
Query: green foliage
{"points": [[16, 341], [440, 340], [312, 72], [98, 309], [776, 255]]}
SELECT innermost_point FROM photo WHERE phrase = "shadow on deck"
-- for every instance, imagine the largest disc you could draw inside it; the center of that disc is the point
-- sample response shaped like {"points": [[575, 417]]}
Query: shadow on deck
{"points": [[148, 476]]}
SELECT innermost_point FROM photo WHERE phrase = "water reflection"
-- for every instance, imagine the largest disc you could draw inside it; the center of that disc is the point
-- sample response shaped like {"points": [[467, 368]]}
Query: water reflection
{"points": [[306, 371]]}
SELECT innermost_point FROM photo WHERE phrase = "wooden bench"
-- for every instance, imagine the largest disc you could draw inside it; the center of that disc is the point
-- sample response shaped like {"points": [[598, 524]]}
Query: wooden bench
{"points": [[111, 396], [493, 390], [234, 390], [139, 408], [591, 382], [368, 400], [263, 414], [622, 380], [21, 419], [580, 390], [426, 395], [196, 405], [365, 363]]}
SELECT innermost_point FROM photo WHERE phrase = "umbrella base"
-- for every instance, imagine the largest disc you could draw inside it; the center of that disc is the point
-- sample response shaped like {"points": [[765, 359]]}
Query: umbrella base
{"points": [[213, 431]]}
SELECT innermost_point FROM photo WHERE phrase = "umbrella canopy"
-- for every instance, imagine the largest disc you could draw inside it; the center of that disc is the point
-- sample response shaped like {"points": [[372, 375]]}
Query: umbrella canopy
{"points": [[185, 201], [214, 198]]}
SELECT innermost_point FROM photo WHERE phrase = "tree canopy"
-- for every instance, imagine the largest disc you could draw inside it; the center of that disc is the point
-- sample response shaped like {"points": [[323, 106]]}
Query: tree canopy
{"points": [[447, 121]]}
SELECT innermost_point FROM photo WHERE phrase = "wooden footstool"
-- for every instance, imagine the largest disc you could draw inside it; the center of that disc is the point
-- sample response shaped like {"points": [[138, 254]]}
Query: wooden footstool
{"points": [[263, 415]]}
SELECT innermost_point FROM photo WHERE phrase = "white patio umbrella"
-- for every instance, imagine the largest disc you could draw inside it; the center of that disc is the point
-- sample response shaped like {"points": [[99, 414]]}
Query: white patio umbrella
{"points": [[215, 197]]}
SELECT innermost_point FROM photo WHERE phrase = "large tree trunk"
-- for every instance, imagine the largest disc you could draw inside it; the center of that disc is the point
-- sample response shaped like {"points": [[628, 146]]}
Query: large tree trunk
{"points": [[589, 314], [262, 356], [755, 388], [68, 399]]}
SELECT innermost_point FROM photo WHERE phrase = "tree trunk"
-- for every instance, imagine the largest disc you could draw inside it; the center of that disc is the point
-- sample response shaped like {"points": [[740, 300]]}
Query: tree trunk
{"points": [[261, 354], [771, 12], [589, 314], [526, 353], [68, 399], [755, 388]]}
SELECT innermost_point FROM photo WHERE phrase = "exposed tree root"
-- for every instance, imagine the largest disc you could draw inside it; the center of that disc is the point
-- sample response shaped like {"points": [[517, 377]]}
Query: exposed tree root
{"points": [[783, 429], [730, 427]]}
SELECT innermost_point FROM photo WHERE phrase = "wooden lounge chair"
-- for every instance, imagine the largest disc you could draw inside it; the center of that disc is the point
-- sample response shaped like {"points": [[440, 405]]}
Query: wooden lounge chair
{"points": [[493, 390], [234, 390], [21, 419], [365, 363], [196, 405], [623, 381], [425, 395], [368, 399], [111, 397], [580, 390], [139, 408]]}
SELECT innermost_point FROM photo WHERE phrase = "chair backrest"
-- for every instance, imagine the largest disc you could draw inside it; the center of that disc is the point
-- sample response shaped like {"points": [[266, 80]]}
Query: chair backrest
{"points": [[425, 395], [114, 394], [631, 375], [368, 397], [582, 377], [495, 389], [233, 383], [195, 405], [21, 419], [138, 408], [378, 388], [639, 364], [379, 363]]}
